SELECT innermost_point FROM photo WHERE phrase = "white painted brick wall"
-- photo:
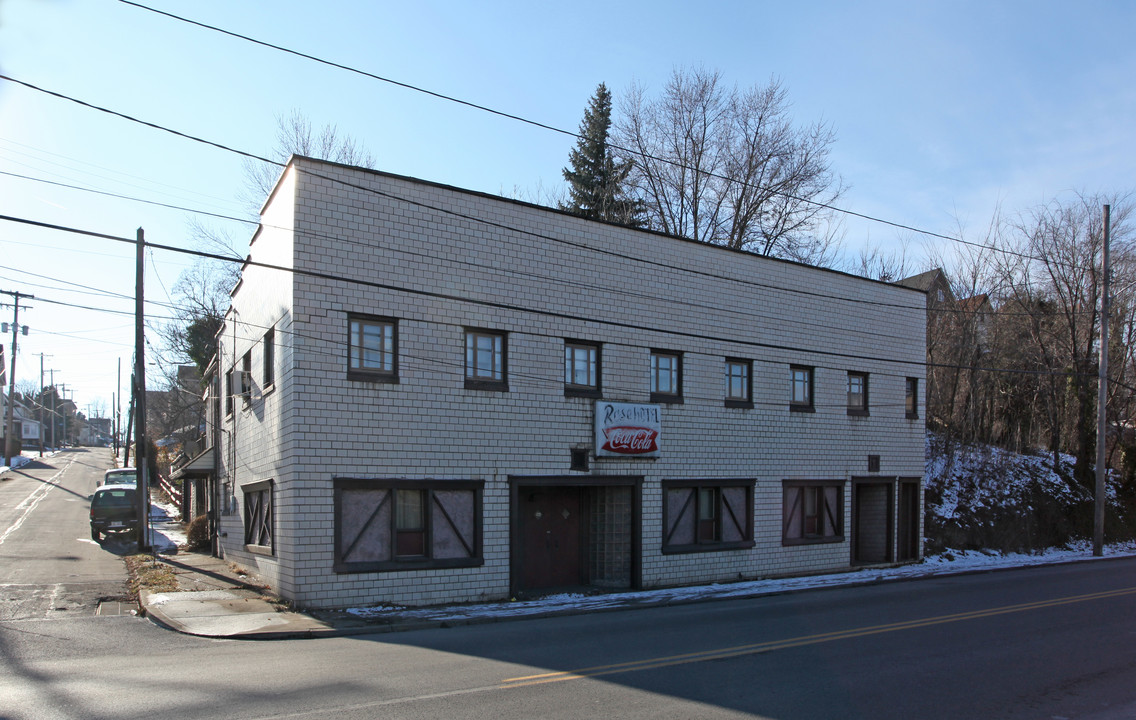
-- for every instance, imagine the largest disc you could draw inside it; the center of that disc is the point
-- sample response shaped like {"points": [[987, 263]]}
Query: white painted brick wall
{"points": [[590, 282]]}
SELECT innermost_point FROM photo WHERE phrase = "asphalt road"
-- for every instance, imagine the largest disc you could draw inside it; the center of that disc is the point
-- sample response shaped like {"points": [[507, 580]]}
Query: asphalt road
{"points": [[49, 566], [1046, 642]]}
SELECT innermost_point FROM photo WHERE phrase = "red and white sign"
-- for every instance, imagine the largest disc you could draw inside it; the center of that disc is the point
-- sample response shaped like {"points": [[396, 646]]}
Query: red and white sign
{"points": [[627, 429]]}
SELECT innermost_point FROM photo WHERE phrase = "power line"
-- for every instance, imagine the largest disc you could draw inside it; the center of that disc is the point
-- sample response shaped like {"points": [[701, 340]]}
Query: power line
{"points": [[561, 131], [567, 316]]}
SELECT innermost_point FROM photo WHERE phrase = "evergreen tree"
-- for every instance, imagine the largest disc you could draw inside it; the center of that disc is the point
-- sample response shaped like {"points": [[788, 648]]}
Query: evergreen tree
{"points": [[595, 178]]}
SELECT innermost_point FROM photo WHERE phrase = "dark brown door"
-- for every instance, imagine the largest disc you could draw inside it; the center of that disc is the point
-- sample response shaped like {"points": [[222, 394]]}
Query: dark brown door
{"points": [[550, 534], [871, 522], [908, 522]]}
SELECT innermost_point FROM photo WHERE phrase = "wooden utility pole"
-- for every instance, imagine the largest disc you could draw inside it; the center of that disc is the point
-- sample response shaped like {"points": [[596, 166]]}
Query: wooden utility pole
{"points": [[1102, 401], [141, 452], [10, 423], [42, 434]]}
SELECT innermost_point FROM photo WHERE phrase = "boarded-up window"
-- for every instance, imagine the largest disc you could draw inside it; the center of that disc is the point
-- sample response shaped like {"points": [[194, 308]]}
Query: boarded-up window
{"points": [[706, 515], [812, 512], [406, 524], [259, 515]]}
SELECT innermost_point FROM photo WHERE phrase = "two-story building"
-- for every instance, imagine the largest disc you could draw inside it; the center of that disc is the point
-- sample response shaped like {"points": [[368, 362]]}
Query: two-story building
{"points": [[434, 395]]}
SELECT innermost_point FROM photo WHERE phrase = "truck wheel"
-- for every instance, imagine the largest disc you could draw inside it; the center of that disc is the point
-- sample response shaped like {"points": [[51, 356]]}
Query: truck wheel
{"points": [[95, 535]]}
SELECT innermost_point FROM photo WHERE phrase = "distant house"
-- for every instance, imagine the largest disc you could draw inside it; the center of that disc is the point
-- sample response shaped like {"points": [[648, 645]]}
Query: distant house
{"points": [[425, 395]]}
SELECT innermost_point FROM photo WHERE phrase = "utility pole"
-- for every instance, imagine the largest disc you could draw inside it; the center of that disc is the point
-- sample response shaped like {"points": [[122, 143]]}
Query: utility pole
{"points": [[54, 393], [141, 451], [10, 422], [1102, 400], [117, 412], [42, 434], [63, 389]]}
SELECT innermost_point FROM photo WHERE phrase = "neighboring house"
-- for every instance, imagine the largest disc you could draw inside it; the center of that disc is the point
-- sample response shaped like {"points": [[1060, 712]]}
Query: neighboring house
{"points": [[27, 425], [427, 395]]}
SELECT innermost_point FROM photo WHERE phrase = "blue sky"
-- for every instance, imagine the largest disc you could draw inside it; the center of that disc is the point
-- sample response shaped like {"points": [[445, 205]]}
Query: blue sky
{"points": [[944, 111]]}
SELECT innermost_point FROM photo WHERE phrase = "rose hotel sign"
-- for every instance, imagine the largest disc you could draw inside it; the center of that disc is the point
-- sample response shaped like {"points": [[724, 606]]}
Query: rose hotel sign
{"points": [[627, 429]]}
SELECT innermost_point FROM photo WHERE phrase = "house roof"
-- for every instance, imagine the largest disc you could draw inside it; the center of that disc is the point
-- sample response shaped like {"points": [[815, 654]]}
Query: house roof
{"points": [[923, 281]]}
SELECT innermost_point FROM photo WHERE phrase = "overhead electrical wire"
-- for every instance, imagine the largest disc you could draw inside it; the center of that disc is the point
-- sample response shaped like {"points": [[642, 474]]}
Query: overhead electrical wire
{"points": [[552, 128], [533, 311]]}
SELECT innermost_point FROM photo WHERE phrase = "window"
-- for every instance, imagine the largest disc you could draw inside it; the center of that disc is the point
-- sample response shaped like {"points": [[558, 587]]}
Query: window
{"points": [[269, 352], [409, 523], [911, 400], [666, 376], [372, 349], [228, 390], [812, 512], [485, 360], [385, 525], [581, 369], [739, 383], [801, 392], [707, 515], [246, 377], [857, 393], [259, 516]]}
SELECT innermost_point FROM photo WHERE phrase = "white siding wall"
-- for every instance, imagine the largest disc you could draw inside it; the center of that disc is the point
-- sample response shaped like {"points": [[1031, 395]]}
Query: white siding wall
{"points": [[590, 282]]}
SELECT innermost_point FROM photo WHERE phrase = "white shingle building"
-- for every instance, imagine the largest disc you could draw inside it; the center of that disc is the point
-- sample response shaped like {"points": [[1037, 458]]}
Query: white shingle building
{"points": [[437, 395]]}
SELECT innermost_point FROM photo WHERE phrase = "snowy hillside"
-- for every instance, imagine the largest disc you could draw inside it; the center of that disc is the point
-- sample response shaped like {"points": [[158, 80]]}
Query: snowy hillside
{"points": [[990, 498]]}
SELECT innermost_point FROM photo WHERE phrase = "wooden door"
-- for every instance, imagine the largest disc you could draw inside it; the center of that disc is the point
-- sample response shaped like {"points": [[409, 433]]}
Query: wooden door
{"points": [[550, 538]]}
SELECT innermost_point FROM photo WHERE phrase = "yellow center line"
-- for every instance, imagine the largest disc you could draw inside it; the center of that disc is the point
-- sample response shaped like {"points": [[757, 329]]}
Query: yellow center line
{"points": [[754, 648]]}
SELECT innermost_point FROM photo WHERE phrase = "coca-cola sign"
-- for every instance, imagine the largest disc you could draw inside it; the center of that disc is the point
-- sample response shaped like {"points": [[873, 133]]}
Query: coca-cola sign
{"points": [[627, 429]]}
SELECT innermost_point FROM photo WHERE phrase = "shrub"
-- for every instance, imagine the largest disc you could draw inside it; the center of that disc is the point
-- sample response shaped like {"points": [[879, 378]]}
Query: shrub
{"points": [[197, 535]]}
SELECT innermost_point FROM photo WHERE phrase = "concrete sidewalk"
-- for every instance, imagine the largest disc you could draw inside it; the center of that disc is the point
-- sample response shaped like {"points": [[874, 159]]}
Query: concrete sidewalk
{"points": [[217, 599]]}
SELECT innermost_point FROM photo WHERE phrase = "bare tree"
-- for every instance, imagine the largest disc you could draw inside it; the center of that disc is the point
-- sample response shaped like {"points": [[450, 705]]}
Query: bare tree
{"points": [[1052, 273], [295, 136], [729, 167]]}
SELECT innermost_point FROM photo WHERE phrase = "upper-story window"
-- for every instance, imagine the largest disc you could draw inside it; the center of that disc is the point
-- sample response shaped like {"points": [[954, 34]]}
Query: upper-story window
{"points": [[372, 349], [857, 393], [486, 360], [911, 399], [801, 388], [581, 369], [269, 353], [666, 376], [739, 383], [246, 377]]}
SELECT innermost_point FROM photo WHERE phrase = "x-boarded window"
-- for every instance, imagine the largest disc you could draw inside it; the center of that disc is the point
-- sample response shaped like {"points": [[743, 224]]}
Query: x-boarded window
{"points": [[259, 516], [581, 369], [485, 360], [739, 383], [666, 376], [812, 512], [372, 349], [707, 515], [406, 524], [801, 388]]}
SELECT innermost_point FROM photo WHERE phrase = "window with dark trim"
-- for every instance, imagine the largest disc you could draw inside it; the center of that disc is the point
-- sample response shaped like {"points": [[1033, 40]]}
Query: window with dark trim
{"points": [[486, 360], [269, 352], [739, 383], [246, 377], [666, 376], [383, 525], [259, 516], [812, 512], [911, 398], [228, 390], [857, 393], [800, 388], [372, 349], [581, 369], [707, 515]]}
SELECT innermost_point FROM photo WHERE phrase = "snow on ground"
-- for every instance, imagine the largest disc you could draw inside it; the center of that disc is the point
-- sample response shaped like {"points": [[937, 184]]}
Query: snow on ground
{"points": [[167, 531], [947, 563]]}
